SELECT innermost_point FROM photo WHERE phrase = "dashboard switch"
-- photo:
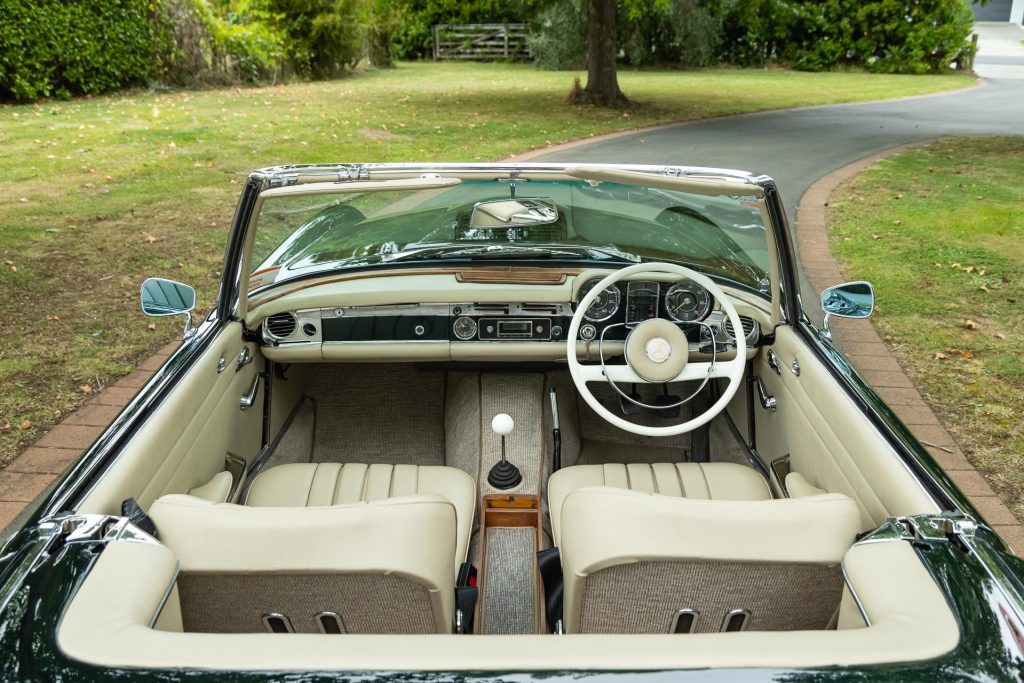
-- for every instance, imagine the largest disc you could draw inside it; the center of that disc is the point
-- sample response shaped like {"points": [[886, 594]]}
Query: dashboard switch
{"points": [[588, 332]]}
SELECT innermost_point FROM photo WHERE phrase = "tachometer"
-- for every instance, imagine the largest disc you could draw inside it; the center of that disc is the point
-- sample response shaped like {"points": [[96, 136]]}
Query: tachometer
{"points": [[687, 301], [605, 305]]}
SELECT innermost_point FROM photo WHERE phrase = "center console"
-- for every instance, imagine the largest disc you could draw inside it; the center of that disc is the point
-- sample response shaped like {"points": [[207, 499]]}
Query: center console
{"points": [[509, 322]]}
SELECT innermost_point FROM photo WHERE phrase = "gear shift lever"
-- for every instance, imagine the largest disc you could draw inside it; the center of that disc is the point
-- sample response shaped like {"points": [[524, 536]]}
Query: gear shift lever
{"points": [[504, 475]]}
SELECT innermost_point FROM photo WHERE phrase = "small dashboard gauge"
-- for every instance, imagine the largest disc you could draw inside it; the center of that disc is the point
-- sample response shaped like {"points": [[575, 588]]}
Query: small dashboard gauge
{"points": [[642, 301], [687, 301], [465, 328], [605, 305]]}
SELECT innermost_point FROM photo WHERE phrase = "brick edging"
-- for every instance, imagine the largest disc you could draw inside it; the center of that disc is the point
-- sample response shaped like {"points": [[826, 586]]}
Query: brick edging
{"points": [[870, 355], [26, 477]]}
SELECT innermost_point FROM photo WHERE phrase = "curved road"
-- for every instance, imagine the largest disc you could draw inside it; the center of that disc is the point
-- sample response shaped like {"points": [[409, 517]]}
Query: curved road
{"points": [[797, 147]]}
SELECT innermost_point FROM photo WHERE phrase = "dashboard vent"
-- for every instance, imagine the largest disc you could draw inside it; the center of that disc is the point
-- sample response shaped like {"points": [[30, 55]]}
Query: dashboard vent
{"points": [[751, 330], [280, 325]]}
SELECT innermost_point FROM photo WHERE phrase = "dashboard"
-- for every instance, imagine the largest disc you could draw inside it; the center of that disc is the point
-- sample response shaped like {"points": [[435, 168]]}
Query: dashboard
{"points": [[490, 330]]}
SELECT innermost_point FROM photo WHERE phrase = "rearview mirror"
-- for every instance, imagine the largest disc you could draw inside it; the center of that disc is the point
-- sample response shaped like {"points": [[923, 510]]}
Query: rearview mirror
{"points": [[849, 300], [506, 213], [162, 297]]}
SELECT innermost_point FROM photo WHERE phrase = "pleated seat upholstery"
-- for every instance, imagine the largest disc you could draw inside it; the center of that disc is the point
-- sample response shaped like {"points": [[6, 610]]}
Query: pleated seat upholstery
{"points": [[325, 484], [701, 481]]}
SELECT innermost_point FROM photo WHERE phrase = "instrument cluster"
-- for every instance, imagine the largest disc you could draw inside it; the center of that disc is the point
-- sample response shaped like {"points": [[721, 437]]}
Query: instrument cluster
{"points": [[681, 302]]}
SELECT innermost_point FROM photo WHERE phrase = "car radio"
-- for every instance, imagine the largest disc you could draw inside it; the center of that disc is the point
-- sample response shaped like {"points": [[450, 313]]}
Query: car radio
{"points": [[508, 322], [511, 329]]}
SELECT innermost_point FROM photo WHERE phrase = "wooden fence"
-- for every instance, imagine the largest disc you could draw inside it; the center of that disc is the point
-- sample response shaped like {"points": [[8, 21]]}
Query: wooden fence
{"points": [[482, 42]]}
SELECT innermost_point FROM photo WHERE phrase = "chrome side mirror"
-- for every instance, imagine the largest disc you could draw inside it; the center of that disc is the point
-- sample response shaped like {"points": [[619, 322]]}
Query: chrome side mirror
{"points": [[162, 297], [849, 300]]}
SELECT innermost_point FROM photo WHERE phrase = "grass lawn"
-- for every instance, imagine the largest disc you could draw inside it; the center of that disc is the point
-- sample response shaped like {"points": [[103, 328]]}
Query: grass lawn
{"points": [[100, 193], [940, 232]]}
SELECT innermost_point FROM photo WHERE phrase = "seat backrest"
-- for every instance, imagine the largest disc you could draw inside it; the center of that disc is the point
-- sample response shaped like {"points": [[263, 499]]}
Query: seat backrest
{"points": [[378, 567], [642, 563]]}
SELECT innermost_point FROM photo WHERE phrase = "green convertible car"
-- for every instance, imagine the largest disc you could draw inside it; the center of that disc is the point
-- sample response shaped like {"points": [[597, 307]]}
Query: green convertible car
{"points": [[520, 421]]}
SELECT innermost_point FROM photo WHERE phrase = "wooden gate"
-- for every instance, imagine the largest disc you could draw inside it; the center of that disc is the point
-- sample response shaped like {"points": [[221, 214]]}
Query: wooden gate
{"points": [[483, 42]]}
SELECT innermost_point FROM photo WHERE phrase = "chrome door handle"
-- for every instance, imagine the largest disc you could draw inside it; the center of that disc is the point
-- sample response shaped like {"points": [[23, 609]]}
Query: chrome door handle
{"points": [[244, 358], [773, 361], [768, 402], [249, 398]]}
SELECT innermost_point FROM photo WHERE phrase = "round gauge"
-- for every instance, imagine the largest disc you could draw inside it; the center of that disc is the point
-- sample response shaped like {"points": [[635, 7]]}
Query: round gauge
{"points": [[605, 305], [687, 301], [465, 328]]}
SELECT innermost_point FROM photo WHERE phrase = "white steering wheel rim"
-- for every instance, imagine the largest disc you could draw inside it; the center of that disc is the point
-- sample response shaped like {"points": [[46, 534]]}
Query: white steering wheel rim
{"points": [[732, 369]]}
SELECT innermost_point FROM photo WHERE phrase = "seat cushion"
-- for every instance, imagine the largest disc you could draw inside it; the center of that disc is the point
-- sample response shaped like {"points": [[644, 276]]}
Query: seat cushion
{"points": [[702, 481], [332, 483]]}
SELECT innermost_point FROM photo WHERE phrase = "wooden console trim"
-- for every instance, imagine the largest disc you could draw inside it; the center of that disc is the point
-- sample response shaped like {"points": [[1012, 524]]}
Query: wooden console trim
{"points": [[511, 511]]}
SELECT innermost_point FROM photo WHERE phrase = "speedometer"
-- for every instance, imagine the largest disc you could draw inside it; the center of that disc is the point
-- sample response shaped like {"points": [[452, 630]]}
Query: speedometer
{"points": [[605, 305], [687, 301]]}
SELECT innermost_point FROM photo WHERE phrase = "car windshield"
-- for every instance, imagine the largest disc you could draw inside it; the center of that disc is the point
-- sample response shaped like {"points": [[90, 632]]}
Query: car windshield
{"points": [[298, 234]]}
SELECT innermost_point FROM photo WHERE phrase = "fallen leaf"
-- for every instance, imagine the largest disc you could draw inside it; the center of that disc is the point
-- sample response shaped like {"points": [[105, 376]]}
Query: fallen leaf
{"points": [[899, 196], [956, 266], [981, 272], [85, 389], [937, 265], [979, 197], [897, 222], [970, 324], [876, 236], [23, 200], [151, 326], [6, 429], [53, 317], [147, 238], [969, 269], [26, 425], [939, 355], [985, 289], [1000, 335]]}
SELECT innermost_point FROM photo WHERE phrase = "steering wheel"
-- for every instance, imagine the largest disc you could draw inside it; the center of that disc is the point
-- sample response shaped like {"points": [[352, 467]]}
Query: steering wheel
{"points": [[656, 352]]}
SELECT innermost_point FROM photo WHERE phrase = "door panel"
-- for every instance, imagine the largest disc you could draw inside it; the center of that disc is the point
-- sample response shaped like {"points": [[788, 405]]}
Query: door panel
{"points": [[830, 442], [183, 443]]}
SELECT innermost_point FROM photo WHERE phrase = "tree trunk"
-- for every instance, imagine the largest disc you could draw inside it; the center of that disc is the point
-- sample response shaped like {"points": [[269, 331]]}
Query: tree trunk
{"points": [[602, 80]]}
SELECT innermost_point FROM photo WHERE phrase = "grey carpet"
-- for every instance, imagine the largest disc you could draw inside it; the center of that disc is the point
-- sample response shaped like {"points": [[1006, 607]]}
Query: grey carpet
{"points": [[603, 442], [509, 584], [519, 395], [378, 413]]}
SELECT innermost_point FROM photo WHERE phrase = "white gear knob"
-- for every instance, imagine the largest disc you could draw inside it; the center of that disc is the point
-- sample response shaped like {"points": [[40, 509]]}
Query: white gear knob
{"points": [[502, 424]]}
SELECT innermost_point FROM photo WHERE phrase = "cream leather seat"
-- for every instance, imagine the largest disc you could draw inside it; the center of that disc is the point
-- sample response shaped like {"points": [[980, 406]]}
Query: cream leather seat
{"points": [[322, 484], [641, 563], [372, 567], [705, 481]]}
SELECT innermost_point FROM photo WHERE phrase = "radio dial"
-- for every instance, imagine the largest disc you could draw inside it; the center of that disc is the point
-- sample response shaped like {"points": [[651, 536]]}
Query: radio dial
{"points": [[464, 328]]}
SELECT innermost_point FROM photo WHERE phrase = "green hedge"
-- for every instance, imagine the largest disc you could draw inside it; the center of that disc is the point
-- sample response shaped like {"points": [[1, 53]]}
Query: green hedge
{"points": [[894, 36], [60, 48]]}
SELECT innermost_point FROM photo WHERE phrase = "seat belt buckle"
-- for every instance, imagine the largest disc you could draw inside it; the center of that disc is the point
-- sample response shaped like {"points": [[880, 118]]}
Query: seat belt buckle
{"points": [[465, 598], [467, 576]]}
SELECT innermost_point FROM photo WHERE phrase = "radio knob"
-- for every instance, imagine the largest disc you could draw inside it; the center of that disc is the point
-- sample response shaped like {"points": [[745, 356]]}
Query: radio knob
{"points": [[419, 330], [588, 332], [464, 328], [556, 331]]}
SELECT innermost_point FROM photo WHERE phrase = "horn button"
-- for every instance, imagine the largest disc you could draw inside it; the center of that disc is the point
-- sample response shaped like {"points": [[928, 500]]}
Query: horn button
{"points": [[657, 350]]}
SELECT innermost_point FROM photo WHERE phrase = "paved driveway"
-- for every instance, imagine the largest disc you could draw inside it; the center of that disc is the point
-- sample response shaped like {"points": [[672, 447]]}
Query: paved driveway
{"points": [[797, 147]]}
